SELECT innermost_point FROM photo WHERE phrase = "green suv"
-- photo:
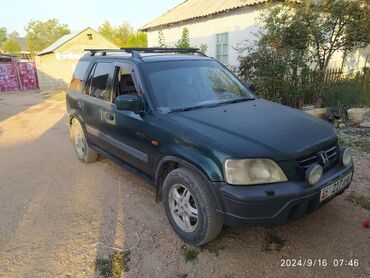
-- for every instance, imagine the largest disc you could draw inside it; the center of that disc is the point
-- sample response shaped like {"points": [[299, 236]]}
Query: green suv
{"points": [[215, 152]]}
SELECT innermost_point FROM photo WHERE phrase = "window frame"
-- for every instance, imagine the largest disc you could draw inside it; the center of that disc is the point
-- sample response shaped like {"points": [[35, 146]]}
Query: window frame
{"points": [[90, 76], [82, 78], [222, 45], [136, 78]]}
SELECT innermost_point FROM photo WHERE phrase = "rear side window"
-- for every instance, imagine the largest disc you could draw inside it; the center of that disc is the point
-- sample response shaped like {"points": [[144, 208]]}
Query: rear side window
{"points": [[99, 81], [78, 75]]}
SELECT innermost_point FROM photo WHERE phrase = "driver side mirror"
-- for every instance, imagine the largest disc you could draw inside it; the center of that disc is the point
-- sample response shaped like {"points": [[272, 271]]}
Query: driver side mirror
{"points": [[250, 86], [129, 102]]}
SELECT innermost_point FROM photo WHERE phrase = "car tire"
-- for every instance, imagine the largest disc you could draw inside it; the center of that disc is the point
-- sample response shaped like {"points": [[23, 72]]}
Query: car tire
{"points": [[190, 207], [83, 151]]}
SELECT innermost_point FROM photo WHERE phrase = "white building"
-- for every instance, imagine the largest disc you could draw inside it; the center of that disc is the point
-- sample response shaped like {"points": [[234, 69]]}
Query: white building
{"points": [[222, 25]]}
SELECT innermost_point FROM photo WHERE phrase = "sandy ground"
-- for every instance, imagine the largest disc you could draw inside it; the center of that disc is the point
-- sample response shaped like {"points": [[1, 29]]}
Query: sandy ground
{"points": [[56, 212]]}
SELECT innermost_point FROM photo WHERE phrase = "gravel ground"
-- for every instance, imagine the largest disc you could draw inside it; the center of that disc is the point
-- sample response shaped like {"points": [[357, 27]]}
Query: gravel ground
{"points": [[58, 215]]}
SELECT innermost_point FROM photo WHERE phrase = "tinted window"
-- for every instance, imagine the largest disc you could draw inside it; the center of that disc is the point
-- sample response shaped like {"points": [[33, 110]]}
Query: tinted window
{"points": [[183, 84], [78, 75], [99, 81]]}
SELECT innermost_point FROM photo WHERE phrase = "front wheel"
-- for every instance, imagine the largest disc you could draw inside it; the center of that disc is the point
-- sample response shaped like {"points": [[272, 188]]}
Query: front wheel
{"points": [[83, 151], [190, 208]]}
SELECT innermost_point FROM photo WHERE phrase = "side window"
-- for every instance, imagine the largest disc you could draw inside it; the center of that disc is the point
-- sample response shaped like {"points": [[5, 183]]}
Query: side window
{"points": [[78, 75], [222, 48], [88, 80], [99, 82], [124, 82]]}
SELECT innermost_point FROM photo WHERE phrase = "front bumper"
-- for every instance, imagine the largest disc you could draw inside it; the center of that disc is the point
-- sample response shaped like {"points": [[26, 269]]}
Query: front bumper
{"points": [[274, 204]]}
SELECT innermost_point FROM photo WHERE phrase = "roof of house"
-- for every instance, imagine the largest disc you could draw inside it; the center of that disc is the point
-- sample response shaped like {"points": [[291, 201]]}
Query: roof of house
{"points": [[191, 9], [62, 41]]}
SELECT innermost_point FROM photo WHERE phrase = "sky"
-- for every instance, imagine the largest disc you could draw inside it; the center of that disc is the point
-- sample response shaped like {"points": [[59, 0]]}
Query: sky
{"points": [[79, 14]]}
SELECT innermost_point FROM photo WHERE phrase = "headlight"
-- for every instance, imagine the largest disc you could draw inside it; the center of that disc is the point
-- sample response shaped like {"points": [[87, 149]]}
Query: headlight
{"points": [[253, 171], [346, 156], [314, 174]]}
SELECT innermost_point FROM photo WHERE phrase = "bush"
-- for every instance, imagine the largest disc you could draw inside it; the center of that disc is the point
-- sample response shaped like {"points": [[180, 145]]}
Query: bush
{"points": [[348, 92], [289, 61]]}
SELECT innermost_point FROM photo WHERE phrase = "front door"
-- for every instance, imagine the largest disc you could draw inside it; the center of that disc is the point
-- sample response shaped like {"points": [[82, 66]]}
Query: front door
{"points": [[127, 133]]}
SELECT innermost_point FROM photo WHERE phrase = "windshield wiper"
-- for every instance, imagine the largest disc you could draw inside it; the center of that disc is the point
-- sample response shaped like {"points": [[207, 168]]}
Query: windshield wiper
{"points": [[183, 109], [193, 107], [237, 100]]}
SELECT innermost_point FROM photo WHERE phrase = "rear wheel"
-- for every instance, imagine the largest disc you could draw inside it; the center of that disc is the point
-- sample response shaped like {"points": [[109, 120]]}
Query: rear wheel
{"points": [[190, 207], [83, 151]]}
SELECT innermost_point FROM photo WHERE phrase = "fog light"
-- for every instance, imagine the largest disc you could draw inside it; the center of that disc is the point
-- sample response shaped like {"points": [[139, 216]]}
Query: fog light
{"points": [[314, 174], [346, 156]]}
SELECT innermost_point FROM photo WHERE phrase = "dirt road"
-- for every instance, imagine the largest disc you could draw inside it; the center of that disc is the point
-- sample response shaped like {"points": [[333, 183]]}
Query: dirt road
{"points": [[57, 215]]}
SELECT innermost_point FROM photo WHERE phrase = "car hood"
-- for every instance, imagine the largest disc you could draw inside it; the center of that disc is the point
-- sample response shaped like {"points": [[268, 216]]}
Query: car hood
{"points": [[257, 128]]}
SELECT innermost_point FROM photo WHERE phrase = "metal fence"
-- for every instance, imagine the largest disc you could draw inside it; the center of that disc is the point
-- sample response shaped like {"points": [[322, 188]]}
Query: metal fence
{"points": [[314, 86], [17, 74]]}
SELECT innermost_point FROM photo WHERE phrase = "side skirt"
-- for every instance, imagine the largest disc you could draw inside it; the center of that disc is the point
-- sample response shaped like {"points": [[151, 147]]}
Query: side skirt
{"points": [[125, 165]]}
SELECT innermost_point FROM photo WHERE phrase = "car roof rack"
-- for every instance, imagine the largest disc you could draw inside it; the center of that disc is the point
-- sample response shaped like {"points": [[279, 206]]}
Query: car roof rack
{"points": [[135, 51]]}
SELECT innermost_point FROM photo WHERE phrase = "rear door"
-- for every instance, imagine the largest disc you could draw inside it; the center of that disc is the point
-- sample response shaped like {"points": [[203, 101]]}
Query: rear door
{"points": [[96, 99]]}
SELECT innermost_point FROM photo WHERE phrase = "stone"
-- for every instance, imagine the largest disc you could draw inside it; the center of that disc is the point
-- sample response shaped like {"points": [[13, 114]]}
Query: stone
{"points": [[356, 115], [342, 125], [333, 113], [365, 124]]}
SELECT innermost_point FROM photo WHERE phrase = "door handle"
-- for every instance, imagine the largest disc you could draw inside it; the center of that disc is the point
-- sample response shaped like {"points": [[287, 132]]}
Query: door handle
{"points": [[109, 117]]}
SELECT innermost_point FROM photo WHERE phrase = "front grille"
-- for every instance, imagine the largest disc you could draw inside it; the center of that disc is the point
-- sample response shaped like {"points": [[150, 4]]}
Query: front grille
{"points": [[332, 155]]}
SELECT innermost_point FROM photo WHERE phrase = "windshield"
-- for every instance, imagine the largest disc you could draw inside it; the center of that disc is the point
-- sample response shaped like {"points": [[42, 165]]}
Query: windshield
{"points": [[186, 84]]}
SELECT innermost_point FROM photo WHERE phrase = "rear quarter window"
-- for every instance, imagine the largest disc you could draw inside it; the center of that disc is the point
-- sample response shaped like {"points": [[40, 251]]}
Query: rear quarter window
{"points": [[99, 83], [77, 82]]}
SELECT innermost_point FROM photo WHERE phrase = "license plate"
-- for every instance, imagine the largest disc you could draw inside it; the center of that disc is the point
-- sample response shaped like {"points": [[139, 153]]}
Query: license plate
{"points": [[333, 188]]}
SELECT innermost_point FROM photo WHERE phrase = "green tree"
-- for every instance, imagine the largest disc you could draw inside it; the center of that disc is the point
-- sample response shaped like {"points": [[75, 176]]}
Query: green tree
{"points": [[11, 46], [184, 41], [40, 35], [107, 30], [334, 26], [138, 39], [3, 35], [161, 40], [123, 35], [203, 47], [296, 38]]}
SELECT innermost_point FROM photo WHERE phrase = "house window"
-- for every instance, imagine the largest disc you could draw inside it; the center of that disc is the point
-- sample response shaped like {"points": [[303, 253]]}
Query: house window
{"points": [[222, 48], [89, 36]]}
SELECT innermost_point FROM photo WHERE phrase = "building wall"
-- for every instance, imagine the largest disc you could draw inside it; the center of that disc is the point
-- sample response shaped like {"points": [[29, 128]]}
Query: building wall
{"points": [[240, 24], [357, 60], [55, 69], [54, 73]]}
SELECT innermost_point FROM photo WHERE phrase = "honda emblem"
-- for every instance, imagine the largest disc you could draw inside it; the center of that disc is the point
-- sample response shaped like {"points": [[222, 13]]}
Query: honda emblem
{"points": [[324, 158]]}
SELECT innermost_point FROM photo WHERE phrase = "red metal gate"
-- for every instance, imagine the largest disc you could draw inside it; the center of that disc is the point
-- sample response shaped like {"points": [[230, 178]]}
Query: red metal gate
{"points": [[28, 75], [18, 75], [8, 77]]}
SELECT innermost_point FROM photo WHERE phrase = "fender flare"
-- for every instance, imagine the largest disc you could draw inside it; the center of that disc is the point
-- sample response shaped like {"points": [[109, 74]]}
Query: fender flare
{"points": [[189, 165], [80, 119]]}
